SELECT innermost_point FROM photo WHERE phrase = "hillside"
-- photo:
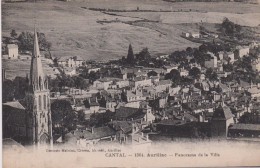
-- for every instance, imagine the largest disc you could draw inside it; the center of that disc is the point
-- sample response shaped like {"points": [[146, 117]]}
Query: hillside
{"points": [[73, 30]]}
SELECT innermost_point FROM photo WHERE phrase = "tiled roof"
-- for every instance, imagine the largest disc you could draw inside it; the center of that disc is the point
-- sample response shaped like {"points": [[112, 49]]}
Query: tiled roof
{"points": [[127, 112], [248, 127], [244, 84], [126, 126], [13, 115], [254, 90], [164, 82], [130, 94], [171, 122], [140, 78], [97, 133], [224, 87], [14, 104], [10, 143], [12, 46]]}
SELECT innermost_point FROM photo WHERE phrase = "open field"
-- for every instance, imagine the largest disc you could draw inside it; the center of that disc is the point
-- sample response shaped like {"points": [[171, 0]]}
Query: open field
{"points": [[22, 67], [73, 30]]}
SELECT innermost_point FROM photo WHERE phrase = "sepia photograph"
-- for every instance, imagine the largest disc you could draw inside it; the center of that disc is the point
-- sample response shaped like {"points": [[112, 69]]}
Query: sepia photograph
{"points": [[130, 83]]}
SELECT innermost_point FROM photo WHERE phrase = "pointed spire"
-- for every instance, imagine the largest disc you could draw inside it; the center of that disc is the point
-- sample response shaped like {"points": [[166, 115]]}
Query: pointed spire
{"points": [[37, 76], [36, 50]]}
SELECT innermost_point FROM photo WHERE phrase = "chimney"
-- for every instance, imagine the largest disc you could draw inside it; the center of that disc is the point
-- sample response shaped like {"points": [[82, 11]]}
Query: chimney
{"points": [[92, 130], [147, 137]]}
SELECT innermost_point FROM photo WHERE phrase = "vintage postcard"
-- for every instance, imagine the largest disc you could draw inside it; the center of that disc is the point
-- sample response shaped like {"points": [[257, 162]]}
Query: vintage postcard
{"points": [[130, 83]]}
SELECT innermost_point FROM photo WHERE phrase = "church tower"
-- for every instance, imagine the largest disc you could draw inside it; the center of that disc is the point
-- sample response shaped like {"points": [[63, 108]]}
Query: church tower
{"points": [[38, 119]]}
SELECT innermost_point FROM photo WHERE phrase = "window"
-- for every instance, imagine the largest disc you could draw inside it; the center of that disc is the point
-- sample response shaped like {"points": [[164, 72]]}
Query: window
{"points": [[40, 102], [45, 102], [40, 83]]}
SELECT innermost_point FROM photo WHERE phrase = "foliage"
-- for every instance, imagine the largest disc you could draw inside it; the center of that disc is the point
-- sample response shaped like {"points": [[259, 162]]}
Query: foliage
{"points": [[211, 75], [152, 73], [102, 102], [13, 33], [26, 40], [174, 75], [94, 76], [62, 114], [229, 28], [21, 86], [86, 103], [130, 56], [100, 119], [81, 116], [179, 56], [8, 90], [143, 55], [194, 73]]}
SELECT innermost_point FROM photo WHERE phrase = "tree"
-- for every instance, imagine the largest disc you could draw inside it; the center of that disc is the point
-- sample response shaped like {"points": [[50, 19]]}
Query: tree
{"points": [[21, 86], [54, 84], [86, 103], [13, 33], [102, 102], [100, 119], [194, 72], [81, 116], [189, 50], [174, 75], [26, 40], [199, 57], [94, 76], [203, 48], [144, 55], [130, 56], [152, 73], [211, 75], [8, 90], [63, 117], [69, 82], [229, 28]]}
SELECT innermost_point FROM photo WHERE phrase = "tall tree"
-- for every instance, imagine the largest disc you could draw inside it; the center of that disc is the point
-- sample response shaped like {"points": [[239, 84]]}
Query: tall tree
{"points": [[13, 33], [130, 56]]}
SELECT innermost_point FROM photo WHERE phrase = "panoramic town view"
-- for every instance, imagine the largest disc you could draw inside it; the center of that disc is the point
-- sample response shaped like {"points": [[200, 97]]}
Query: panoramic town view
{"points": [[85, 73]]}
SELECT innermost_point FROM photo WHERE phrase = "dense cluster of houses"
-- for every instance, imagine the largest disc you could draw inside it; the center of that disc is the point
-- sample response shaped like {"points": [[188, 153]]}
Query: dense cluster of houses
{"points": [[134, 97], [141, 98]]}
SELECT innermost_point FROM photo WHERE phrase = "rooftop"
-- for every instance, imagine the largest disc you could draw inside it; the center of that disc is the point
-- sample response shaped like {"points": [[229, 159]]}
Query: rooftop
{"points": [[14, 104], [12, 46], [97, 133], [249, 127]]}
